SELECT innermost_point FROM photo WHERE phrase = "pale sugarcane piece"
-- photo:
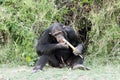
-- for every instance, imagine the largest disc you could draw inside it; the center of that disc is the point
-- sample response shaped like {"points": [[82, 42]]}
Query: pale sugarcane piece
{"points": [[70, 45]]}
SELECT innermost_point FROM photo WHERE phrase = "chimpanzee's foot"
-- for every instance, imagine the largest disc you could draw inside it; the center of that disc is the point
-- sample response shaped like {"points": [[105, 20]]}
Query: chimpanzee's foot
{"points": [[36, 69], [80, 66], [62, 65]]}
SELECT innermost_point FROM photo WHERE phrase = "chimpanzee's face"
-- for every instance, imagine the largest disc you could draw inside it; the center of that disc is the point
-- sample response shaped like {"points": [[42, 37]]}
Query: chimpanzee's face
{"points": [[59, 37], [58, 32]]}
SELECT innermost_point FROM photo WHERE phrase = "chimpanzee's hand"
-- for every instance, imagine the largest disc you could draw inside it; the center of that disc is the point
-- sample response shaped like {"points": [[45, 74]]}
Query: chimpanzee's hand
{"points": [[76, 52], [78, 49], [62, 45]]}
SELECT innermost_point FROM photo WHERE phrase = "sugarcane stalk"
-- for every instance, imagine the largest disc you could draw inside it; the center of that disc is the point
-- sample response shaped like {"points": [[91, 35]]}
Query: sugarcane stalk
{"points": [[70, 45]]}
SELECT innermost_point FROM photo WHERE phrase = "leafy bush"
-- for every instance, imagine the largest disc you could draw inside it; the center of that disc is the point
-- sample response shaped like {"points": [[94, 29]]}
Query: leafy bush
{"points": [[105, 34], [21, 22]]}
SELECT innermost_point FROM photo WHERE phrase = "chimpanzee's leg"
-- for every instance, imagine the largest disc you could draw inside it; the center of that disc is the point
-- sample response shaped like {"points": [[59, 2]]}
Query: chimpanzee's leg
{"points": [[41, 62], [77, 63], [77, 60], [53, 61]]}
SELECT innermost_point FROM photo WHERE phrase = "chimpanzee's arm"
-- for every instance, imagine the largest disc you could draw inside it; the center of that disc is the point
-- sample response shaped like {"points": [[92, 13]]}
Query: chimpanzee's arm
{"points": [[72, 36], [46, 45]]}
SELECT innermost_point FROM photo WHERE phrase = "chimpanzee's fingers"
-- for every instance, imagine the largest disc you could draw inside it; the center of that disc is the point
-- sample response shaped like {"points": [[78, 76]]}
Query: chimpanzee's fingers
{"points": [[64, 45], [76, 52]]}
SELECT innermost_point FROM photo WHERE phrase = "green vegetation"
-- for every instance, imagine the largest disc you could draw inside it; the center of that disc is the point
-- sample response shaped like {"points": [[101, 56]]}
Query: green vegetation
{"points": [[105, 34], [23, 21]]}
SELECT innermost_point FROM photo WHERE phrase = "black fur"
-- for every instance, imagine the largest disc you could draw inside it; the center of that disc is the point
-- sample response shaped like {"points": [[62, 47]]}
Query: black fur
{"points": [[55, 53]]}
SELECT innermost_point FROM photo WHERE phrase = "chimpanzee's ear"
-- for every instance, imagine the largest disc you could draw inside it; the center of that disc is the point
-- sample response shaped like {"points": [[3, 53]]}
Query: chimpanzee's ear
{"points": [[50, 33]]}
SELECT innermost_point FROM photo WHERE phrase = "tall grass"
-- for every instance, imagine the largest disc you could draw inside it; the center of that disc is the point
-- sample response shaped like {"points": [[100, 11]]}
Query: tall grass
{"points": [[104, 43]]}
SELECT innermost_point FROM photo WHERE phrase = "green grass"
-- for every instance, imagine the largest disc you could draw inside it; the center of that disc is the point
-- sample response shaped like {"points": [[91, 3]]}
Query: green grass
{"points": [[98, 72]]}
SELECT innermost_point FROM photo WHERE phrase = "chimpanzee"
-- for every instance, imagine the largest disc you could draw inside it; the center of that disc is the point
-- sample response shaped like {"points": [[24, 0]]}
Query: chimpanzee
{"points": [[52, 49]]}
